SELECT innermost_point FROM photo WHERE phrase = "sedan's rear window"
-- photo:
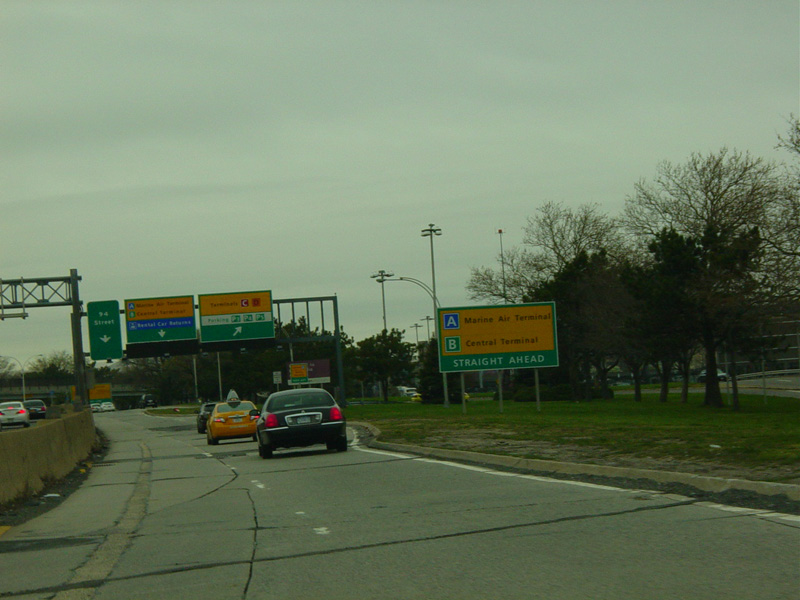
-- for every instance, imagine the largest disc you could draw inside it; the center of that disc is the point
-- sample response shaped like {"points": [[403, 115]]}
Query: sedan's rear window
{"points": [[224, 407], [310, 400]]}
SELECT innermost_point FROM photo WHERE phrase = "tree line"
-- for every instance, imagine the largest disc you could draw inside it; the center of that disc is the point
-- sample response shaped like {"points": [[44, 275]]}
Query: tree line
{"points": [[704, 258]]}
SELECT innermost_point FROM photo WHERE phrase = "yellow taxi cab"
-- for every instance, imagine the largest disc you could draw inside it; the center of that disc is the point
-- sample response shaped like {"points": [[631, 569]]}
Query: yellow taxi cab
{"points": [[231, 419]]}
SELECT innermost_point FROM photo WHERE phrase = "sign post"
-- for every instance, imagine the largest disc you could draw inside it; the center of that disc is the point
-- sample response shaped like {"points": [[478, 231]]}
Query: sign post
{"points": [[105, 335]]}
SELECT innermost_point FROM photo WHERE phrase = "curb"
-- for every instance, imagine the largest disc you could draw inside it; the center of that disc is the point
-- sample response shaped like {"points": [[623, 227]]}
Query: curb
{"points": [[700, 482]]}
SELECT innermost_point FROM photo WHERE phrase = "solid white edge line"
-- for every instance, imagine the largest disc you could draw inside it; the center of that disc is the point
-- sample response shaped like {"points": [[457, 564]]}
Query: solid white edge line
{"points": [[745, 512]]}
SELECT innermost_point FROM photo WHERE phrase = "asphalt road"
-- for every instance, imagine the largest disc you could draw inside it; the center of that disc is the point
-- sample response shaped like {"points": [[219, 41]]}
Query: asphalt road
{"points": [[166, 516]]}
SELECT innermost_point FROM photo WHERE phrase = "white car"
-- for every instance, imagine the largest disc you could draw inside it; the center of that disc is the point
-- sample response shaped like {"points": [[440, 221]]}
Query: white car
{"points": [[107, 407], [14, 413]]}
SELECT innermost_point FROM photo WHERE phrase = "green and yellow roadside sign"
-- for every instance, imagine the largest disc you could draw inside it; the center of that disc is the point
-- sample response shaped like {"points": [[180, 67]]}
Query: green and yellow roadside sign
{"points": [[511, 336]]}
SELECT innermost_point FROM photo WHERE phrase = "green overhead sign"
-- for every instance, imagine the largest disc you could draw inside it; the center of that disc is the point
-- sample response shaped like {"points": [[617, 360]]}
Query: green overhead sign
{"points": [[105, 335]]}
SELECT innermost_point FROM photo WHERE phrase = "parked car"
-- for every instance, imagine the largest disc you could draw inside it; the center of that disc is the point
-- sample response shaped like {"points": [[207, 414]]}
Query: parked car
{"points": [[202, 416], [14, 413], [721, 376], [231, 419], [300, 417], [107, 407], [37, 409], [148, 401], [96, 407]]}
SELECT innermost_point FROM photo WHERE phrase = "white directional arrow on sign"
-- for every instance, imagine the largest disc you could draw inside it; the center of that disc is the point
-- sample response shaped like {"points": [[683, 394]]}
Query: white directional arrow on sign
{"points": [[162, 333], [237, 331], [105, 338]]}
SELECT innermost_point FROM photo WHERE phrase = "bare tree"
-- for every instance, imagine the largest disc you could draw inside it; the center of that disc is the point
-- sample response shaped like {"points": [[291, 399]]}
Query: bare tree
{"points": [[554, 237], [730, 204]]}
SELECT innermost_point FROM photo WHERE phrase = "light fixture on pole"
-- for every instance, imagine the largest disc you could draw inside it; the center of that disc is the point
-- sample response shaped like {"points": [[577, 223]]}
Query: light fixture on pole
{"points": [[428, 320], [22, 367], [416, 327], [503, 266], [380, 277], [430, 232]]}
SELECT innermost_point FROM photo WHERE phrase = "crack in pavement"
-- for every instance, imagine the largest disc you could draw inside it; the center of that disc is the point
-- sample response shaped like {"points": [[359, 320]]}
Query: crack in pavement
{"points": [[93, 584]]}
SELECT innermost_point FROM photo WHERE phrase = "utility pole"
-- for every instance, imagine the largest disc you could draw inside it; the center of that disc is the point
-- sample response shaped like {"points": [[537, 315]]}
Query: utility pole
{"points": [[381, 276]]}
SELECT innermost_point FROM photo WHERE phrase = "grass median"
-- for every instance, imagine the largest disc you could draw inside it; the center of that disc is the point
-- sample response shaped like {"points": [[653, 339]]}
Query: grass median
{"points": [[761, 433]]}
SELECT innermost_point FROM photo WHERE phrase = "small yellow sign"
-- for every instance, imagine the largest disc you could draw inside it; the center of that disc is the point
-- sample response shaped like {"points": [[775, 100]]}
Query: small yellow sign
{"points": [[101, 391], [299, 370]]}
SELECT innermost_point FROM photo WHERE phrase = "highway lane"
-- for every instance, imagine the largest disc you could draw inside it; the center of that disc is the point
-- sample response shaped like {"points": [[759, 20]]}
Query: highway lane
{"points": [[166, 516]]}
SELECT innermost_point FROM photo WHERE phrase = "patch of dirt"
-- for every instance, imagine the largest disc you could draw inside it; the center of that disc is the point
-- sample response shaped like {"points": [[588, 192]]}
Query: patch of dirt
{"points": [[488, 442]]}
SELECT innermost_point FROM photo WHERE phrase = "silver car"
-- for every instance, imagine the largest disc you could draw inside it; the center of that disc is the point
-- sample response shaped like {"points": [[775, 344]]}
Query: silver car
{"points": [[14, 413]]}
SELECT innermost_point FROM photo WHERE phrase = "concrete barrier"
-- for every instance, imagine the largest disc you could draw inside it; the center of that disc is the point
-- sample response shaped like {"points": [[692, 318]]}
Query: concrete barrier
{"points": [[48, 451]]}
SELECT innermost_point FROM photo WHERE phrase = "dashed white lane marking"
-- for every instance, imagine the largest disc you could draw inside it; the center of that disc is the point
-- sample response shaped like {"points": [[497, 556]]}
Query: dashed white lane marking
{"points": [[321, 530]]}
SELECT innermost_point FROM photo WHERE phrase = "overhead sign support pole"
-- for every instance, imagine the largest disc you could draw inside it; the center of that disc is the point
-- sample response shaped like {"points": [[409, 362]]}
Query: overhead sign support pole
{"points": [[22, 294], [77, 340]]}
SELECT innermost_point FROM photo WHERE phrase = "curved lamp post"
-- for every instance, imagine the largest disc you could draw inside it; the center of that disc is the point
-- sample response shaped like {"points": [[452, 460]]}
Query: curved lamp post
{"points": [[380, 277], [22, 367]]}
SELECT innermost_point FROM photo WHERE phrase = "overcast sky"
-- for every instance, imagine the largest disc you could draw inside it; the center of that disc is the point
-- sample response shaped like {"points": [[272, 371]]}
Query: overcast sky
{"points": [[182, 148]]}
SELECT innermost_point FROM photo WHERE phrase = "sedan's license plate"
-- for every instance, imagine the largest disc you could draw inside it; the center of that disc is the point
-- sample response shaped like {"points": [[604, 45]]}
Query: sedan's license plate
{"points": [[237, 419], [303, 420]]}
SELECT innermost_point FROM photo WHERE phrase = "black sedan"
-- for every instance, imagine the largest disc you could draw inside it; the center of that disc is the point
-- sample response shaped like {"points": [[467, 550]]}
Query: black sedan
{"points": [[202, 416], [300, 417], [37, 409]]}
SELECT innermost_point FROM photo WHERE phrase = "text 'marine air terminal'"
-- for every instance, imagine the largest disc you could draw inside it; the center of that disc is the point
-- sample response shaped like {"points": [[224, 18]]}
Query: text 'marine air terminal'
{"points": [[497, 337]]}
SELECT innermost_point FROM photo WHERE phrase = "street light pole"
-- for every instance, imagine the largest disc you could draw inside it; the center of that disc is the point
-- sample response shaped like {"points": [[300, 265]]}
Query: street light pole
{"points": [[428, 320], [430, 232], [503, 266], [416, 327], [22, 367], [380, 277]]}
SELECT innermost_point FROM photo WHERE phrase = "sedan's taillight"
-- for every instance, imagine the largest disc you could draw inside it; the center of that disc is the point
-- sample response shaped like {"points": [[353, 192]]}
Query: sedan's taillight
{"points": [[271, 420], [336, 414], [219, 420]]}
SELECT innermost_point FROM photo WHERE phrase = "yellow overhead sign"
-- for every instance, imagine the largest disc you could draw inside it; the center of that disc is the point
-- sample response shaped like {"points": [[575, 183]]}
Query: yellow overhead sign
{"points": [[239, 303], [147, 309]]}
